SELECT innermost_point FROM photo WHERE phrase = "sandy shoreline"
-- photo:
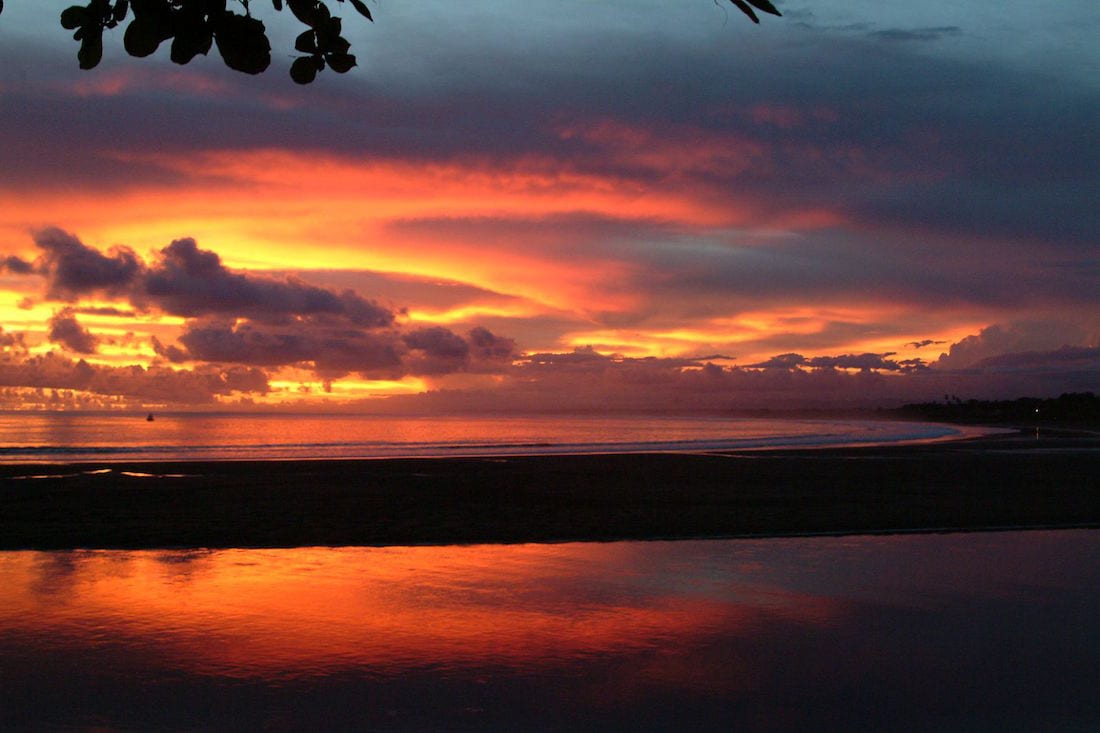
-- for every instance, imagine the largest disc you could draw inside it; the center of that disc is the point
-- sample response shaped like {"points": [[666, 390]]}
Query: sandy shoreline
{"points": [[1001, 481]]}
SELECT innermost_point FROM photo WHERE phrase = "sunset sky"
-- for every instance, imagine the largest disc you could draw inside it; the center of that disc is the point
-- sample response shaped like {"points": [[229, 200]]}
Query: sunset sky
{"points": [[626, 204]]}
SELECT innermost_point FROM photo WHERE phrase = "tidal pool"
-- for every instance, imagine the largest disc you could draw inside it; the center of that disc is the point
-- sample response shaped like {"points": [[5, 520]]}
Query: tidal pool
{"points": [[979, 631]]}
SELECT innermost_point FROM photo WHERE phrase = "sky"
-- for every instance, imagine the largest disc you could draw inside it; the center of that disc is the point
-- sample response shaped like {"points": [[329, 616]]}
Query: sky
{"points": [[616, 205]]}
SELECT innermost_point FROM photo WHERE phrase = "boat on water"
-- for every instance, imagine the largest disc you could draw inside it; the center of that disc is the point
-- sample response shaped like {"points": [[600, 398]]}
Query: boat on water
{"points": [[149, 417]]}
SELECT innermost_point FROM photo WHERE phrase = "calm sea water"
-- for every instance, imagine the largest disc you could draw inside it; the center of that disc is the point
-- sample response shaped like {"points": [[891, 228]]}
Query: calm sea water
{"points": [[964, 632], [59, 437]]}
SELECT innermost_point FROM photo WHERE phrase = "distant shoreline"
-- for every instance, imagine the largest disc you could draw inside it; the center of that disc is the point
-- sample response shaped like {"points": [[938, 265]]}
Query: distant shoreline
{"points": [[1004, 481], [123, 439]]}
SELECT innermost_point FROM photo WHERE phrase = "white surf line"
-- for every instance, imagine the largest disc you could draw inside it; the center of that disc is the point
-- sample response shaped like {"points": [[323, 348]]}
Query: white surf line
{"points": [[138, 474]]}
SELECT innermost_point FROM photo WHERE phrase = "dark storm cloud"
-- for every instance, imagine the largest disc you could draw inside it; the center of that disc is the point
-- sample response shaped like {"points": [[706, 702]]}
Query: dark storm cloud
{"points": [[171, 352], [1082, 358], [16, 265], [73, 269], [485, 346], [67, 331], [329, 352], [254, 321], [335, 352], [998, 339], [864, 362], [436, 350], [190, 282]]}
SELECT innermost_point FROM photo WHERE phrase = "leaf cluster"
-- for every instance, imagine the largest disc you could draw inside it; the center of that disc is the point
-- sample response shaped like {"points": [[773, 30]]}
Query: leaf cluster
{"points": [[322, 42], [193, 27]]}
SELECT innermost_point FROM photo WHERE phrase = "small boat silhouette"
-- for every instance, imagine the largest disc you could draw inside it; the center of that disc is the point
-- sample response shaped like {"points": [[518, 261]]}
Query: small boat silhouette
{"points": [[149, 417]]}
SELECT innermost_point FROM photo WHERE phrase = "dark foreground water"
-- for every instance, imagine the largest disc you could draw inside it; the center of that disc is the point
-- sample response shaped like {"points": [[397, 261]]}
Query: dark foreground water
{"points": [[963, 632]]}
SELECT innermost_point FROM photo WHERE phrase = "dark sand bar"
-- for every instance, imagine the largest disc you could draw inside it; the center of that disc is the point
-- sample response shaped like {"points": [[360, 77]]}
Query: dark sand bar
{"points": [[1015, 480]]}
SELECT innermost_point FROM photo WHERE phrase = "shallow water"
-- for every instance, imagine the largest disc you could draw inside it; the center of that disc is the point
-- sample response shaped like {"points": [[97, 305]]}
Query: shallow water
{"points": [[62, 437], [983, 631]]}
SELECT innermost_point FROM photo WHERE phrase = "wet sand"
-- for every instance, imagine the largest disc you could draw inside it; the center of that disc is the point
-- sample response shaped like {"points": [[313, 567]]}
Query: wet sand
{"points": [[1007, 481]]}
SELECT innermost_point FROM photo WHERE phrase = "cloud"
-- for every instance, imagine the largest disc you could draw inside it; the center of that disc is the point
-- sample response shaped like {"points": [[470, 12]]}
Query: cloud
{"points": [[485, 346], [334, 352], [190, 282], [1081, 358], [154, 384], [12, 342], [247, 320], [65, 330], [997, 340], [915, 34], [73, 269], [436, 350], [863, 362], [108, 311], [589, 381], [924, 342], [951, 190], [586, 380], [16, 265], [330, 352]]}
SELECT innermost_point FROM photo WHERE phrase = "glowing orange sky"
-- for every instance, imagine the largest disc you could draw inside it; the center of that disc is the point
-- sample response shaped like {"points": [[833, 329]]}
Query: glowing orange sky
{"points": [[670, 215]]}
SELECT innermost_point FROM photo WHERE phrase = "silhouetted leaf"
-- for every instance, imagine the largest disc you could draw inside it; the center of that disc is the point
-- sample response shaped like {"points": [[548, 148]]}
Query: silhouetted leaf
{"points": [[190, 43], [1, 6], [142, 37], [310, 12], [764, 5], [91, 50], [306, 42], [242, 43], [75, 17], [341, 63], [304, 69], [278, 4], [334, 44], [362, 8], [744, 7], [149, 7], [121, 8]]}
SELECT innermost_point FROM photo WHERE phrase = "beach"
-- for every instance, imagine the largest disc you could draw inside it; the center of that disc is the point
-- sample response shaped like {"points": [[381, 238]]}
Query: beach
{"points": [[1016, 480]]}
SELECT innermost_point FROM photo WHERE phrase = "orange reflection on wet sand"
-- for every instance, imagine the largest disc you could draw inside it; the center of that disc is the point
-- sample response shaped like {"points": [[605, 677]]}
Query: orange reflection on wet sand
{"points": [[308, 611]]}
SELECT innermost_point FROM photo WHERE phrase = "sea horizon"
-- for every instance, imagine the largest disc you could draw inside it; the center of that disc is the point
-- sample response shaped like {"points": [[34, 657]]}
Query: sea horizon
{"points": [[104, 436]]}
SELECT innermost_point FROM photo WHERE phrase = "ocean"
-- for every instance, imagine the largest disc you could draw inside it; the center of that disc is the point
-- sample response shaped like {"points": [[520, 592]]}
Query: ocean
{"points": [[61, 437]]}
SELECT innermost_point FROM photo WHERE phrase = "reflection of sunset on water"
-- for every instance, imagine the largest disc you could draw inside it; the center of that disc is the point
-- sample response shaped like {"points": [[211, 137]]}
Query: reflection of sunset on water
{"points": [[838, 633], [318, 611]]}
